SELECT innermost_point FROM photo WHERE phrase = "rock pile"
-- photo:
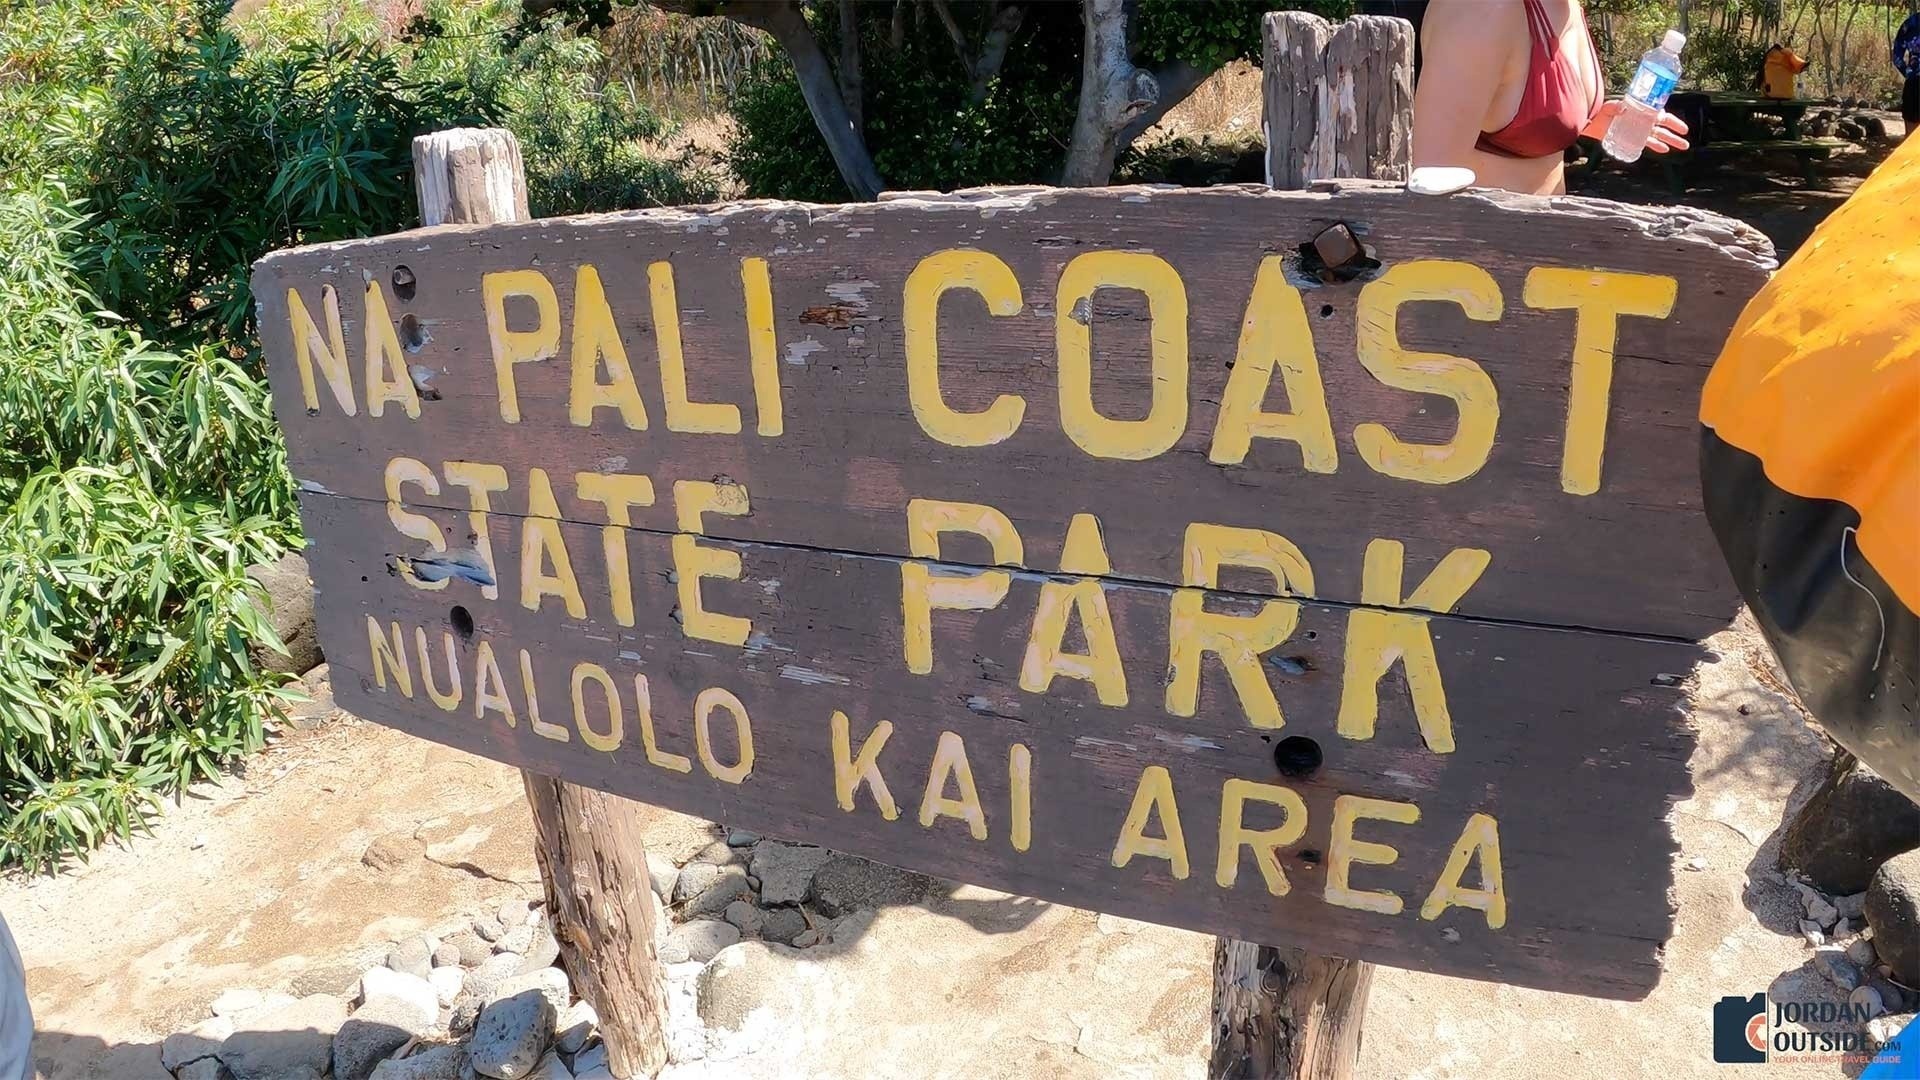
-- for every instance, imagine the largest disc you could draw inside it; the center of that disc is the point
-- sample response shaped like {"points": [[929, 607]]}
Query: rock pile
{"points": [[481, 999], [1865, 944]]}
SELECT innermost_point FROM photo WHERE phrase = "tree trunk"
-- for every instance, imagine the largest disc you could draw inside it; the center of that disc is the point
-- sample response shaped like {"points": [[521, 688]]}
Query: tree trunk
{"points": [[852, 91], [594, 864], [818, 85], [588, 844], [1281, 1012], [1112, 92]]}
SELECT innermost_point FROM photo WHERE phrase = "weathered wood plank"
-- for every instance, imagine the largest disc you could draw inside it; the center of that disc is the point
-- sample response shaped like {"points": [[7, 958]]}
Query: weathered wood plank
{"points": [[1569, 740], [1635, 556], [1298, 104]]}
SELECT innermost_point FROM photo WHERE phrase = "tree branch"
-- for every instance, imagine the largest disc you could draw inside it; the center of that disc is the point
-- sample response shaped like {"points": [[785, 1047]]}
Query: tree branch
{"points": [[1112, 93], [788, 24], [993, 48], [961, 50], [1177, 82], [852, 94]]}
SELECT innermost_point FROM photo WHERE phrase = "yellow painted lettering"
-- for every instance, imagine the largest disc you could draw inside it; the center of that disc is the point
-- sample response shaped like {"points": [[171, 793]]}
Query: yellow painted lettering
{"points": [[921, 591], [950, 761], [643, 703], [1166, 419], [619, 493], [693, 560], [1275, 333], [1238, 640], [932, 278], [1020, 795], [540, 727], [489, 687], [683, 413], [1598, 298], [850, 770], [1264, 844], [449, 701], [1480, 836], [596, 340], [1153, 797], [512, 347], [480, 480], [541, 543], [387, 378], [1084, 553], [1345, 851], [1378, 639], [1454, 377], [406, 470], [703, 706], [389, 655], [763, 346], [609, 740], [330, 348]]}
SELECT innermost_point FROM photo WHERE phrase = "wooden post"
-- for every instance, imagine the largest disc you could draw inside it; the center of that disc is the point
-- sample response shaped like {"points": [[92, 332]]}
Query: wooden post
{"points": [[588, 843], [1339, 99], [1339, 103]]}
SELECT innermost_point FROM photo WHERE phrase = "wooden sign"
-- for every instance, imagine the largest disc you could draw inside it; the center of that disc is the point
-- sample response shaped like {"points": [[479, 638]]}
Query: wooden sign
{"points": [[1103, 546]]}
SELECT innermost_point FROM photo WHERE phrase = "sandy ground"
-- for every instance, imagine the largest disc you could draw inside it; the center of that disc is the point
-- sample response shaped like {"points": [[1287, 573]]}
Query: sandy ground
{"points": [[259, 881]]}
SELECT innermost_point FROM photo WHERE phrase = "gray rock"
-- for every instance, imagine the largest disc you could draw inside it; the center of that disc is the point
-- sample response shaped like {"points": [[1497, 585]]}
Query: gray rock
{"points": [[1820, 911], [465, 1010], [1881, 1031], [203, 1069], [1892, 995], [1851, 906], [511, 1035], [1892, 909], [844, 883], [488, 928], [741, 838], [319, 706], [662, 872], [386, 983], [1868, 998], [850, 926], [433, 1063], [786, 871], [694, 879], [543, 951], [1860, 951], [1841, 929], [551, 1068], [237, 1001], [782, 924], [592, 1064], [289, 609], [446, 954], [518, 940], [753, 988], [375, 1031], [720, 853], [202, 1040], [512, 913], [731, 885], [1854, 822], [574, 1027], [704, 938], [447, 983], [472, 948], [494, 969], [1831, 961], [673, 950], [550, 983], [745, 917], [294, 1040], [807, 939], [1815, 934], [414, 956]]}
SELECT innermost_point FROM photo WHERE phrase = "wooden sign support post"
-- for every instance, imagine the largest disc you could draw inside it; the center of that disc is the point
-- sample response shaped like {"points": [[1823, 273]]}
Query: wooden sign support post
{"points": [[588, 843], [1339, 103]]}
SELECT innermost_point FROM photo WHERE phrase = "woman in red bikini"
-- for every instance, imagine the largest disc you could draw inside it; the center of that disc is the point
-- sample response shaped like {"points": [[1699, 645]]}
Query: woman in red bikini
{"points": [[1506, 86]]}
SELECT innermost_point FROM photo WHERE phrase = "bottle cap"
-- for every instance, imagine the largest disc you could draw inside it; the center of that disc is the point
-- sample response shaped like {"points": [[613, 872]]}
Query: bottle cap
{"points": [[1674, 41]]}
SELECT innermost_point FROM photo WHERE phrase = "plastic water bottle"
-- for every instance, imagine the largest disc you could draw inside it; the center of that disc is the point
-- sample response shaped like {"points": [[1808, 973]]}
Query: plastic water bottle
{"points": [[1646, 96]]}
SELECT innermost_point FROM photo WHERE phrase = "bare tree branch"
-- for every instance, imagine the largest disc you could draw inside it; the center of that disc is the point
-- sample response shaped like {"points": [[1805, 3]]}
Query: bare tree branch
{"points": [[1177, 82], [961, 49], [993, 48], [788, 24]]}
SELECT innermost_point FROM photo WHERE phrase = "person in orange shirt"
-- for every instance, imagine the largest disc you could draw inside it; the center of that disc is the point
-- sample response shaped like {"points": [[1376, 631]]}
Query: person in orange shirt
{"points": [[1778, 72], [1810, 465]]}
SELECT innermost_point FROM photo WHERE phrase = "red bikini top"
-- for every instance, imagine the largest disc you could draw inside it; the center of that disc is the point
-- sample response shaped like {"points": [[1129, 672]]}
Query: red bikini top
{"points": [[1554, 107]]}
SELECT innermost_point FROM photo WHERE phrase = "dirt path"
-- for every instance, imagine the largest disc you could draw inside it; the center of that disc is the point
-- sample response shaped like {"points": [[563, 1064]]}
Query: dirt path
{"points": [[297, 875]]}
